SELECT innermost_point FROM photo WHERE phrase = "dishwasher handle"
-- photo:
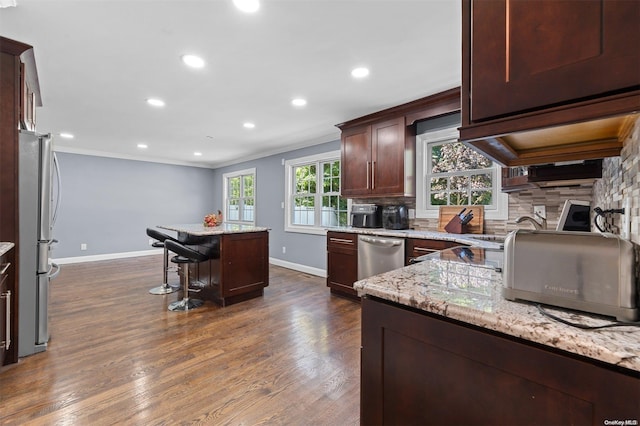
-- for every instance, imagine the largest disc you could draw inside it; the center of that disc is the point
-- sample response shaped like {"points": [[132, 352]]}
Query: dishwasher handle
{"points": [[384, 242]]}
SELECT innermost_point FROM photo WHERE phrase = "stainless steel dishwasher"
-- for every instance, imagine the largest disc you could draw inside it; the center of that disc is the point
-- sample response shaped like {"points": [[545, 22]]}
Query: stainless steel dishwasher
{"points": [[379, 254]]}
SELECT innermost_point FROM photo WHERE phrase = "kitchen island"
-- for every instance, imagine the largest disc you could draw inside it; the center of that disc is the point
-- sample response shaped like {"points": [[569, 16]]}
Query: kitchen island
{"points": [[440, 345], [239, 268]]}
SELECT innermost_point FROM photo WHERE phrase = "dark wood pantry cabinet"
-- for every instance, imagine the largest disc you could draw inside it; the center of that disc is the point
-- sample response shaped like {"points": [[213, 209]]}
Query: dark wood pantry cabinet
{"points": [[549, 80], [19, 95], [6, 276]]}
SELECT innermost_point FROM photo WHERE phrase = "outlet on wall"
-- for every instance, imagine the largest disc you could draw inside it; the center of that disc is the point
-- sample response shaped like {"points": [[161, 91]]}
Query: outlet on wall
{"points": [[83, 246], [540, 211], [284, 249], [150, 241]]}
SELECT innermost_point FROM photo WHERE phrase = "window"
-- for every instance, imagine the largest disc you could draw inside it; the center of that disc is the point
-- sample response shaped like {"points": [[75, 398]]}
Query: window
{"points": [[240, 196], [313, 200], [450, 173]]}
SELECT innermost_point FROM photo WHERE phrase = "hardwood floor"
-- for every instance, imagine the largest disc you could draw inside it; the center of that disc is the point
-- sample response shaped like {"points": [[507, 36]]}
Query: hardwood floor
{"points": [[118, 356]]}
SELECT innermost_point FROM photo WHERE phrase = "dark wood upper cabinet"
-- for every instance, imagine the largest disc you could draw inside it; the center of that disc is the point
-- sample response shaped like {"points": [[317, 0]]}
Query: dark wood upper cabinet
{"points": [[379, 149], [378, 159], [549, 80]]}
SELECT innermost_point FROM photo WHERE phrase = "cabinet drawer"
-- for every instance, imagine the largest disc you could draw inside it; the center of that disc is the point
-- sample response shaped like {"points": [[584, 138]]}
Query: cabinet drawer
{"points": [[418, 247], [342, 240]]}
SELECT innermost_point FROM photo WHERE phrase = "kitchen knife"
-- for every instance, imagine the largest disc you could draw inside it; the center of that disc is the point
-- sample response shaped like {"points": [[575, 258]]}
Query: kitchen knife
{"points": [[460, 215]]}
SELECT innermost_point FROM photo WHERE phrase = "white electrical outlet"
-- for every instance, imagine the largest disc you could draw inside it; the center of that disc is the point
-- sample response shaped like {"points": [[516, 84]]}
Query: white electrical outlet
{"points": [[83, 246], [540, 211], [625, 220], [284, 249], [150, 241]]}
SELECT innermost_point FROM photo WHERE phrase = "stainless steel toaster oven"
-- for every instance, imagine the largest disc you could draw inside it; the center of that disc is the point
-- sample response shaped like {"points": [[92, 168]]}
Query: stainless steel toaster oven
{"points": [[585, 271]]}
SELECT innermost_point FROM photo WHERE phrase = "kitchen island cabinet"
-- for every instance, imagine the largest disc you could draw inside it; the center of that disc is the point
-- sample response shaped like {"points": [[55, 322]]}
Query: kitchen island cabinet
{"points": [[548, 81], [240, 269], [440, 345]]}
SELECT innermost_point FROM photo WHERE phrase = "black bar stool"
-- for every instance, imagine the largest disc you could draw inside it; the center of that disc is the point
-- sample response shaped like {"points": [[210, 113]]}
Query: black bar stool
{"points": [[185, 256], [161, 238]]}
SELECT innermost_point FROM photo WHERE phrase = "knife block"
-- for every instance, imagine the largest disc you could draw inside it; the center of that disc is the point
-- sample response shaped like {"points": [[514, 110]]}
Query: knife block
{"points": [[455, 226]]}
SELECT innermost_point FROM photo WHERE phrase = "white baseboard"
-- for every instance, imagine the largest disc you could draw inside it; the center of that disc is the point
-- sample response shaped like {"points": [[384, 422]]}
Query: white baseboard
{"points": [[298, 267], [109, 256]]}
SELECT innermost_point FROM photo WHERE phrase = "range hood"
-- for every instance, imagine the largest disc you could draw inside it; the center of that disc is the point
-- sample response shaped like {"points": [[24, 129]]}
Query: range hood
{"points": [[572, 173]]}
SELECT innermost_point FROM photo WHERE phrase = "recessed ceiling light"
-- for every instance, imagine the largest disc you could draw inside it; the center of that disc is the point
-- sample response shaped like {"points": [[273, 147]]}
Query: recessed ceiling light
{"points": [[197, 154], [66, 135], [360, 72], [155, 102], [248, 125], [247, 6], [299, 102], [143, 146], [193, 61]]}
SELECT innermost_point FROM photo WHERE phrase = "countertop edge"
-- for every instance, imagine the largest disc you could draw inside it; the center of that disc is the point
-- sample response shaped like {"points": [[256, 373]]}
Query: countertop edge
{"points": [[5, 247], [516, 319]]}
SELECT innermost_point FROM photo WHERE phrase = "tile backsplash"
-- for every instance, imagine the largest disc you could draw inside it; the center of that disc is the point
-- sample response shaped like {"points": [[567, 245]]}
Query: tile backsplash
{"points": [[620, 180]]}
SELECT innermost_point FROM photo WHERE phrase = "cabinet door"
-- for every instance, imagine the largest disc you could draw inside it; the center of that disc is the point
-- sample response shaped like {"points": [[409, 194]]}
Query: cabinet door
{"points": [[356, 161], [536, 53], [342, 262], [388, 151], [5, 300], [244, 260]]}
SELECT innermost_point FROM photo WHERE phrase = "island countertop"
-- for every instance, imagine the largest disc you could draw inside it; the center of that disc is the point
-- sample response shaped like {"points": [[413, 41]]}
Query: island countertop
{"points": [[468, 288], [224, 228], [5, 247]]}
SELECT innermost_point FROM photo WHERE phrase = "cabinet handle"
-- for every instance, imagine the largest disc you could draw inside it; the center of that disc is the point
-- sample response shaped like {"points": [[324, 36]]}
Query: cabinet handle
{"points": [[373, 175], [4, 268], [341, 241], [7, 297], [368, 163], [424, 250]]}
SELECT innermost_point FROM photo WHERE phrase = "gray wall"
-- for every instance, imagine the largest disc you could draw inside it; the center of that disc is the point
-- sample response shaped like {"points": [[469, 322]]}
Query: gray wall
{"points": [[108, 203], [304, 249]]}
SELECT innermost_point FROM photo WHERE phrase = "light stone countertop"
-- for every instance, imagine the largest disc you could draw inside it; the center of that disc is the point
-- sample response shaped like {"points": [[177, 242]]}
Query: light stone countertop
{"points": [[5, 247], [482, 240], [224, 228], [470, 290]]}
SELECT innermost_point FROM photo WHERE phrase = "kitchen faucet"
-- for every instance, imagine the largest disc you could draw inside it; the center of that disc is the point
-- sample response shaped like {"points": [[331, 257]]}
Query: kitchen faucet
{"points": [[536, 224]]}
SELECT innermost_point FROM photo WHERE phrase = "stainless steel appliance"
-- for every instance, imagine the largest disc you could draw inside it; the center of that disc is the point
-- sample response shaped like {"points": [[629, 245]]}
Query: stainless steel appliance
{"points": [[36, 170], [366, 216], [395, 217], [585, 271], [377, 255]]}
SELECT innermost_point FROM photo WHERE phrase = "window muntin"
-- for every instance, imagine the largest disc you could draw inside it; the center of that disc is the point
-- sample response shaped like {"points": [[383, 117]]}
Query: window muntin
{"points": [[313, 198], [450, 173], [240, 196]]}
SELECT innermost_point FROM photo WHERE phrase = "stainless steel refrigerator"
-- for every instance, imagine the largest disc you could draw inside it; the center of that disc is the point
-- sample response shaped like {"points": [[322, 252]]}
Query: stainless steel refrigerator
{"points": [[37, 215]]}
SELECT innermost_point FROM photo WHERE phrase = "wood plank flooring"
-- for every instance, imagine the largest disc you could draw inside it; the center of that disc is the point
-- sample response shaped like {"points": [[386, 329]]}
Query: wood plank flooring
{"points": [[118, 356]]}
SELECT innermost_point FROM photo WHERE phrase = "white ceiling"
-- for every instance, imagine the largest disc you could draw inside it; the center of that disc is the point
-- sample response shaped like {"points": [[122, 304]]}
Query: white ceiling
{"points": [[98, 60]]}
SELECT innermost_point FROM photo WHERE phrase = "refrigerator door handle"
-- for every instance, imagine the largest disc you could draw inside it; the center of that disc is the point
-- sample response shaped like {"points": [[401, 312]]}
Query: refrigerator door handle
{"points": [[56, 270]]}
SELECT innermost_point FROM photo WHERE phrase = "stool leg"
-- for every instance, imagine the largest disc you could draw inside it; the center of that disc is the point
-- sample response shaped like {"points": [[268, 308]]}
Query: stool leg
{"points": [[165, 288], [185, 304]]}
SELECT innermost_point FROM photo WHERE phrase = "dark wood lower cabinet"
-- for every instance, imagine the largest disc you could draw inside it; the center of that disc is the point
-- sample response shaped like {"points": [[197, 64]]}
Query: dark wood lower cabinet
{"points": [[419, 368], [342, 263], [240, 273]]}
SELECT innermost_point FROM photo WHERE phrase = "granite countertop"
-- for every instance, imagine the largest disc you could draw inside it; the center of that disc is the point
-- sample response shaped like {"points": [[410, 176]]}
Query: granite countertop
{"points": [[482, 240], [223, 228], [5, 247], [469, 289]]}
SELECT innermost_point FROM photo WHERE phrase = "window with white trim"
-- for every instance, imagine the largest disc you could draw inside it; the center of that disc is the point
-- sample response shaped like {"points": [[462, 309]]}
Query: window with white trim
{"points": [[450, 173], [313, 202], [240, 196]]}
